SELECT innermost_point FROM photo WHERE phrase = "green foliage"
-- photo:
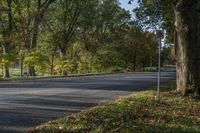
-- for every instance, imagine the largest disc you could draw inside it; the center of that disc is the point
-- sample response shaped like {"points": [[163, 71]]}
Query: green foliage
{"points": [[69, 37], [64, 65], [1, 37], [156, 14], [7, 59], [115, 55], [38, 60]]}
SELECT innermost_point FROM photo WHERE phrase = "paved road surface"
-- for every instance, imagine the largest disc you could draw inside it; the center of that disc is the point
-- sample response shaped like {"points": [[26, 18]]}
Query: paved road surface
{"points": [[30, 103]]}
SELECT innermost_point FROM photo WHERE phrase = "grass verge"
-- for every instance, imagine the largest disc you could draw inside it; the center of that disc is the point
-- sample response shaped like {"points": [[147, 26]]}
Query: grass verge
{"points": [[136, 113]]}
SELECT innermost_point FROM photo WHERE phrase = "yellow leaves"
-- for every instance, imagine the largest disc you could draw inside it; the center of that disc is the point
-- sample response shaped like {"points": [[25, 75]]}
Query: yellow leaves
{"points": [[179, 114], [1, 37]]}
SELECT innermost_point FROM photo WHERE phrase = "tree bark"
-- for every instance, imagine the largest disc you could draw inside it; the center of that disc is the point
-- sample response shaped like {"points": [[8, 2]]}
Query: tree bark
{"points": [[21, 66], [187, 46], [31, 70], [53, 52], [6, 32], [41, 10], [134, 59], [63, 58], [6, 73]]}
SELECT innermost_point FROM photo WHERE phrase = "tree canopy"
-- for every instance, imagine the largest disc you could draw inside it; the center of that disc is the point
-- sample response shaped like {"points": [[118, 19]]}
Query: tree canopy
{"points": [[63, 37]]}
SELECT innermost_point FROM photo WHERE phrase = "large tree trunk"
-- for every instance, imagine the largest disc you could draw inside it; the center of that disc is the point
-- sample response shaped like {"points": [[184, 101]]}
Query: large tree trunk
{"points": [[187, 46]]}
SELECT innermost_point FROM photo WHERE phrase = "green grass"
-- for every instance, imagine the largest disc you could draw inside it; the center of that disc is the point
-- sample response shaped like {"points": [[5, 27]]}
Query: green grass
{"points": [[14, 72], [137, 113], [163, 69]]}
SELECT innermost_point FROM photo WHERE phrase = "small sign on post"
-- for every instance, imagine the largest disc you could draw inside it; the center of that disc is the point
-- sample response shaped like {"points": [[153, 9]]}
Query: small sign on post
{"points": [[160, 36]]}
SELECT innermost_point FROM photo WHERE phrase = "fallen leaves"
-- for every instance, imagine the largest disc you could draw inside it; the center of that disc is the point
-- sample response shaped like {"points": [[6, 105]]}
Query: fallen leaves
{"points": [[139, 113]]}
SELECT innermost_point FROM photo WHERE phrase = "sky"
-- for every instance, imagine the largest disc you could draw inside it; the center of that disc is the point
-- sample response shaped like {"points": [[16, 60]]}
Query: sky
{"points": [[124, 4]]}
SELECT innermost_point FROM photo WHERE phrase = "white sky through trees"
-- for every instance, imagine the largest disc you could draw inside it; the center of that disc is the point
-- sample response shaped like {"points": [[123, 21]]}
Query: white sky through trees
{"points": [[129, 7]]}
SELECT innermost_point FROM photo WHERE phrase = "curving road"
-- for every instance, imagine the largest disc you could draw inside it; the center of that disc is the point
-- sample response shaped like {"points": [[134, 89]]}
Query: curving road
{"points": [[25, 104]]}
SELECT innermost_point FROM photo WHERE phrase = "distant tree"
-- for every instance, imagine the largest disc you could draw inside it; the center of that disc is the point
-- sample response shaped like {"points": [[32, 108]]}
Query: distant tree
{"points": [[69, 37], [38, 59], [6, 29]]}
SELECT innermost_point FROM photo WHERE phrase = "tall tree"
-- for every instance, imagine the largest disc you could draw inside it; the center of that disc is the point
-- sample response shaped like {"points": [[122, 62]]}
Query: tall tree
{"points": [[182, 17], [41, 9], [6, 28], [29, 16], [187, 45], [65, 17]]}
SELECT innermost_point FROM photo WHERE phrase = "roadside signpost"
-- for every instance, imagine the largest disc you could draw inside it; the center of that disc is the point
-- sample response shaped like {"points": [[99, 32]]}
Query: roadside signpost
{"points": [[160, 36]]}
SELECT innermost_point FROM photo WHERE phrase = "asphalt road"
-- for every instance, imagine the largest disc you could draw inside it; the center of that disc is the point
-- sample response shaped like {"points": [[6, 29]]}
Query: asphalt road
{"points": [[25, 104]]}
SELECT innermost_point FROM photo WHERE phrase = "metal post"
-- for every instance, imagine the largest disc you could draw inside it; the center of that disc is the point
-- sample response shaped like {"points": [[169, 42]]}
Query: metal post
{"points": [[159, 62], [160, 35]]}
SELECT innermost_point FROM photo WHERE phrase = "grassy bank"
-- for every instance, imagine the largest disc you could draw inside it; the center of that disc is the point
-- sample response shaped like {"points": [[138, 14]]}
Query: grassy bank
{"points": [[137, 113]]}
